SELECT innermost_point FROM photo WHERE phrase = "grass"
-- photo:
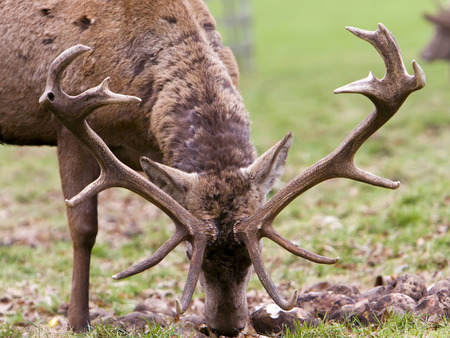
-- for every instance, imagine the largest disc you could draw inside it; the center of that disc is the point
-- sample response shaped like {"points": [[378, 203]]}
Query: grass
{"points": [[397, 326], [101, 330], [302, 53]]}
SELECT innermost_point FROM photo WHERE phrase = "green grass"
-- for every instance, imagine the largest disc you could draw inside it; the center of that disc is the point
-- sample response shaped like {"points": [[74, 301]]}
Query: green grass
{"points": [[101, 330], [397, 326], [302, 53], [154, 331]]}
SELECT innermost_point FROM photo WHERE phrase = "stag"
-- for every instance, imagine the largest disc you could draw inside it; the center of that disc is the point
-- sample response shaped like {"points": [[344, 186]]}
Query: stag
{"points": [[189, 132], [439, 46]]}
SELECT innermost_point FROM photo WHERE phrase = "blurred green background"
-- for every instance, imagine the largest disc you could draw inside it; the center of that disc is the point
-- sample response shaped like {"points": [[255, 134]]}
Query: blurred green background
{"points": [[302, 52]]}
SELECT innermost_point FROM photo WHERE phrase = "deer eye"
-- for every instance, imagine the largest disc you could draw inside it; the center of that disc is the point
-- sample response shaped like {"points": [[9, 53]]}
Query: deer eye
{"points": [[155, 54]]}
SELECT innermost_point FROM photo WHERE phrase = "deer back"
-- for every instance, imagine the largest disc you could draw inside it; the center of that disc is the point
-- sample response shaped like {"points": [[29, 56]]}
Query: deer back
{"points": [[152, 49]]}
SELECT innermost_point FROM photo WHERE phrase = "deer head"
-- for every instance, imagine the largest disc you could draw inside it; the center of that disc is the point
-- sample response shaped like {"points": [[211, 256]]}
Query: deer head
{"points": [[439, 46], [223, 215]]}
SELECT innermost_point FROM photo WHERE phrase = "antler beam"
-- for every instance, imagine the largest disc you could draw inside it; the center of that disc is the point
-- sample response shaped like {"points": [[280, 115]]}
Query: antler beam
{"points": [[387, 94]]}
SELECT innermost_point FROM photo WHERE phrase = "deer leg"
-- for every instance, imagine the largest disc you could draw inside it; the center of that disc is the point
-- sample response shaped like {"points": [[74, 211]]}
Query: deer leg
{"points": [[77, 169]]}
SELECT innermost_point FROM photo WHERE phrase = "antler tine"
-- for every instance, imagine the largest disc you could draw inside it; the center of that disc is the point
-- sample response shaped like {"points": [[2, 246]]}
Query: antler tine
{"points": [[386, 45], [252, 244], [387, 94], [72, 112], [270, 233], [246, 232], [58, 66], [397, 84], [157, 257], [55, 98], [198, 250]]}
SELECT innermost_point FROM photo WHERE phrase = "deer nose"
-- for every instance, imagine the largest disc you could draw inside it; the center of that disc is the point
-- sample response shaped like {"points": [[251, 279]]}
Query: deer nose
{"points": [[227, 332]]}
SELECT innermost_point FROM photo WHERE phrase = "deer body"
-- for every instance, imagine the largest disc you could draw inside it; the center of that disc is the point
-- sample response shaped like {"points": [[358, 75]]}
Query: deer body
{"points": [[191, 116], [185, 126], [136, 41]]}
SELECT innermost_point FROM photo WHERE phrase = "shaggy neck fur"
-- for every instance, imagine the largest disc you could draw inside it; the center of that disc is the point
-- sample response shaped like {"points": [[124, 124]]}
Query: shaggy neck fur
{"points": [[198, 117]]}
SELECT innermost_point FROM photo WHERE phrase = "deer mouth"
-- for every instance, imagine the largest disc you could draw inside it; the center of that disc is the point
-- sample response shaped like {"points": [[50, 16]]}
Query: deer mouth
{"points": [[227, 332]]}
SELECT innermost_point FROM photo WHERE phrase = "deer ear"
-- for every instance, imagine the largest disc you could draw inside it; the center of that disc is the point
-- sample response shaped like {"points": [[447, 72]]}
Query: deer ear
{"points": [[439, 20], [173, 181], [269, 166]]}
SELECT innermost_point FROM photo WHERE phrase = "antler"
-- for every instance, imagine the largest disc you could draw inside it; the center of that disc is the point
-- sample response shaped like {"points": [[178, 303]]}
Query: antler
{"points": [[387, 94], [72, 112]]}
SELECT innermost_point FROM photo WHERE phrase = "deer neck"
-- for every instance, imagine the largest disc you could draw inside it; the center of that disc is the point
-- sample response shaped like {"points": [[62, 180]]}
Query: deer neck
{"points": [[198, 119]]}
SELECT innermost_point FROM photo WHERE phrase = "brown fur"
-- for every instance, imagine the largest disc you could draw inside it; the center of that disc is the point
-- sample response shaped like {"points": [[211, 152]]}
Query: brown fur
{"points": [[438, 48], [191, 118]]}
